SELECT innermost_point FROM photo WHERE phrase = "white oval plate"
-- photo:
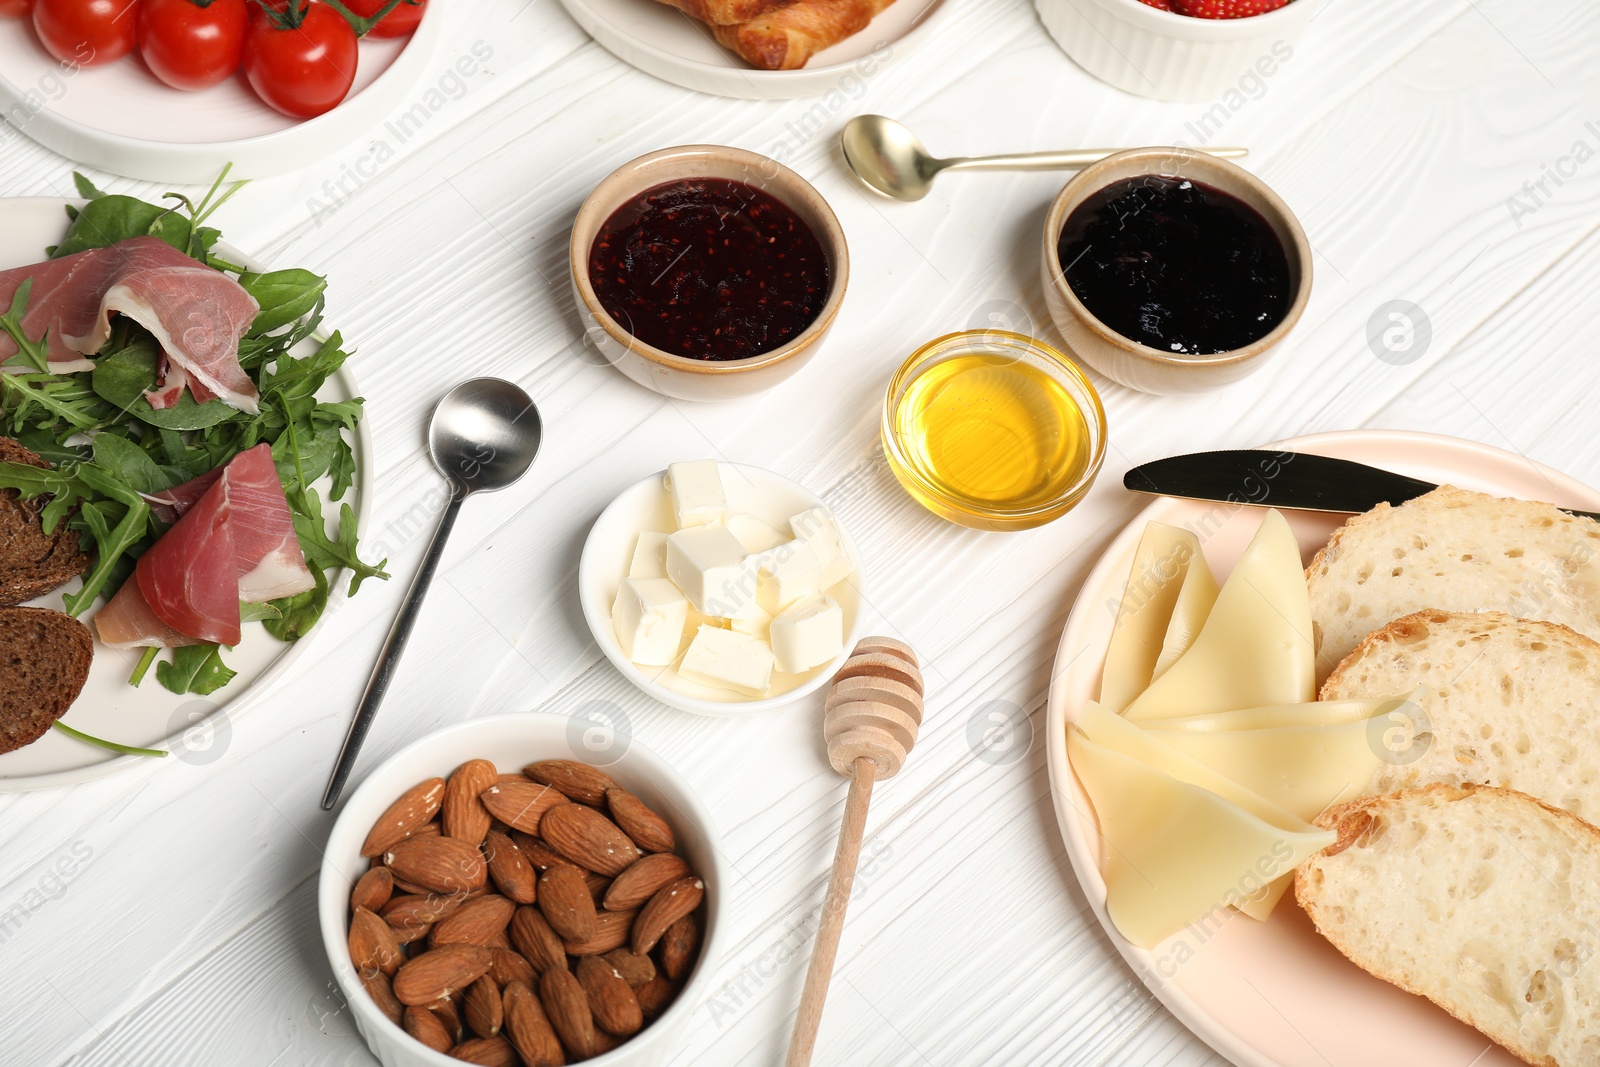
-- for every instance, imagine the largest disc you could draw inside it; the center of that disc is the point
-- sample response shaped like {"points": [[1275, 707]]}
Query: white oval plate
{"points": [[663, 41], [1274, 994], [150, 716], [122, 118], [646, 505]]}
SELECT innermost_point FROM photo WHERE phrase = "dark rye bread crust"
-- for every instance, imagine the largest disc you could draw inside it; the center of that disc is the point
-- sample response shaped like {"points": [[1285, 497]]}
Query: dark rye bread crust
{"points": [[44, 660], [32, 563]]}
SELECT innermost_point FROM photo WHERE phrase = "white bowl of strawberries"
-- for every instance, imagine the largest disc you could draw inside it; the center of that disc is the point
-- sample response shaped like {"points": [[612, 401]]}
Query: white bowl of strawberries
{"points": [[1220, 50], [493, 895]]}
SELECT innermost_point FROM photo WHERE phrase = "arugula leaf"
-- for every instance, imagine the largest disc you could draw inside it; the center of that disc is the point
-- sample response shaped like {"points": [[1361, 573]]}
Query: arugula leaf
{"points": [[132, 464], [111, 217], [299, 613], [260, 612], [323, 552], [35, 354], [195, 669], [85, 187], [122, 379]]}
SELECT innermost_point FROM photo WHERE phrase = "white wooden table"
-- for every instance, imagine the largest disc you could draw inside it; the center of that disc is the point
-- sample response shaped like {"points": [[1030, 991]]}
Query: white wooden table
{"points": [[1415, 140]]}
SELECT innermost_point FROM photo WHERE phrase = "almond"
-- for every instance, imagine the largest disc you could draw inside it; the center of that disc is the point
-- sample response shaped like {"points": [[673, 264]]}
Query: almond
{"points": [[656, 995], [426, 1028], [597, 884], [611, 998], [520, 803], [509, 869], [382, 994], [445, 1010], [438, 974], [635, 886], [413, 916], [648, 830], [488, 1051], [611, 931], [416, 808], [461, 814], [679, 945], [588, 839], [567, 1007], [476, 922], [507, 966], [635, 970], [373, 946], [539, 945], [567, 906], [373, 889], [541, 855], [441, 864], [481, 1008], [579, 781], [529, 1028], [671, 903]]}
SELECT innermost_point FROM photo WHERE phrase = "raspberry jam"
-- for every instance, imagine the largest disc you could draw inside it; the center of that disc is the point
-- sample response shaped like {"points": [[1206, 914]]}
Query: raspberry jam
{"points": [[709, 268], [1176, 265]]}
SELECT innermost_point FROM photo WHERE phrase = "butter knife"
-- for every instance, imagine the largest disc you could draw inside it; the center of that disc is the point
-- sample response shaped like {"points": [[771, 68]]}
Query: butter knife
{"points": [[1293, 480]]}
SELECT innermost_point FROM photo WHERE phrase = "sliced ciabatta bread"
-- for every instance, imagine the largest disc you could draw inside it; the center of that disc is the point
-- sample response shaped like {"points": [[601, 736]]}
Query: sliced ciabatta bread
{"points": [[1453, 550], [1504, 701], [44, 661], [1485, 901], [32, 562]]}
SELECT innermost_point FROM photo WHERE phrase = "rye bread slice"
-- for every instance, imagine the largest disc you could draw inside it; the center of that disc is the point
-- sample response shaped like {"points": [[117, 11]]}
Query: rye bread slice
{"points": [[44, 660], [32, 562]]}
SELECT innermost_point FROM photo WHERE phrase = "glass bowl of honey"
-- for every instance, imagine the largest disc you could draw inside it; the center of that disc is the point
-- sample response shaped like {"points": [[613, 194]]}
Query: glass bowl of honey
{"points": [[993, 430]]}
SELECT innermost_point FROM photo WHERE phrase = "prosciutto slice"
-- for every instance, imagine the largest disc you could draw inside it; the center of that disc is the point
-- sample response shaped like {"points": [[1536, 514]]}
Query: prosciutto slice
{"points": [[196, 314], [236, 542]]}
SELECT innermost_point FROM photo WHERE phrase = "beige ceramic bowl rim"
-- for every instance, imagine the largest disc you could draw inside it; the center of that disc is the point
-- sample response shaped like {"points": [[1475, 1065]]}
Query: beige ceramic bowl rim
{"points": [[631, 178], [1091, 179], [1064, 366]]}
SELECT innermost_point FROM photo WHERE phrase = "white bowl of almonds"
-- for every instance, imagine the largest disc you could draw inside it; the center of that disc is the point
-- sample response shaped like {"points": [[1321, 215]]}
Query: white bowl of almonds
{"points": [[488, 896], [721, 588]]}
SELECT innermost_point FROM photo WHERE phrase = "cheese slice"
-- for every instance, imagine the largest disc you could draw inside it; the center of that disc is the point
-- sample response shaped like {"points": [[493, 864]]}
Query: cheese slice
{"points": [[1176, 852], [1196, 597], [1115, 732], [1316, 713], [1160, 565], [1255, 646], [1305, 769]]}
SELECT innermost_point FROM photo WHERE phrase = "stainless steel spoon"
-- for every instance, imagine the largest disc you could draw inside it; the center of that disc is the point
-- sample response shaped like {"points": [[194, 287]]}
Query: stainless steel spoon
{"points": [[889, 159], [484, 436]]}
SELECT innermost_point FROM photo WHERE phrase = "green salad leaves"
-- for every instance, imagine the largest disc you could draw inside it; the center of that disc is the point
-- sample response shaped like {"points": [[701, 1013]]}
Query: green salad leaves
{"points": [[111, 449]]}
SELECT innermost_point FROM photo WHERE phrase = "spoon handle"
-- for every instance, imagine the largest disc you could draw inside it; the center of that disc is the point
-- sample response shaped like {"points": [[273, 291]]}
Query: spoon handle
{"points": [[1067, 160], [389, 658]]}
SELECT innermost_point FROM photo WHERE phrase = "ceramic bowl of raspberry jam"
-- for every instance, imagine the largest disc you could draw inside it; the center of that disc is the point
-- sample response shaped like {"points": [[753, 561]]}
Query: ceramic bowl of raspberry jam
{"points": [[1172, 272], [707, 273]]}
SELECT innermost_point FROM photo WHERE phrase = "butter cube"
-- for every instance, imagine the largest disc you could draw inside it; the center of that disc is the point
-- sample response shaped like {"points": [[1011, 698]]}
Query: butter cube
{"points": [[808, 633], [819, 526], [649, 556], [756, 535], [708, 564], [756, 623], [697, 495], [648, 616], [724, 659], [787, 573]]}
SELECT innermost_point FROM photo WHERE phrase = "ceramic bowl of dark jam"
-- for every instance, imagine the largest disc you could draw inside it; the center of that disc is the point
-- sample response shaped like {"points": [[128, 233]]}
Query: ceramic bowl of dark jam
{"points": [[1173, 272], [707, 273]]}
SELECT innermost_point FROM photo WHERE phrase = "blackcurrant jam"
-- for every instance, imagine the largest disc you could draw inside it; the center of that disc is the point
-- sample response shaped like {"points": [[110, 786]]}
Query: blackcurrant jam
{"points": [[1177, 265]]}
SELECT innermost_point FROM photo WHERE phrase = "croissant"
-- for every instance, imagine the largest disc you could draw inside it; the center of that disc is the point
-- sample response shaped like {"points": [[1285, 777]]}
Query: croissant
{"points": [[726, 12], [786, 38]]}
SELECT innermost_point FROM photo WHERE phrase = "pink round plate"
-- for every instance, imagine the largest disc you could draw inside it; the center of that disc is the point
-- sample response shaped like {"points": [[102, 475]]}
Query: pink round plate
{"points": [[1275, 994]]}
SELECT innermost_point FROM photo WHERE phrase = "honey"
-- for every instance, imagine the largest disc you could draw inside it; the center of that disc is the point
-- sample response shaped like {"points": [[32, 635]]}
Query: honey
{"points": [[993, 430]]}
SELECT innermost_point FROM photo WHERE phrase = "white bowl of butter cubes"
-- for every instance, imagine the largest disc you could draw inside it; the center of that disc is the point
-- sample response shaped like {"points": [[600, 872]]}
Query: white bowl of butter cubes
{"points": [[721, 589]]}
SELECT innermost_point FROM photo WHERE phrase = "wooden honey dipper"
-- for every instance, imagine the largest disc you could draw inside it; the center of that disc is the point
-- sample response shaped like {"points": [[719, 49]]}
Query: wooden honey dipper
{"points": [[873, 711]]}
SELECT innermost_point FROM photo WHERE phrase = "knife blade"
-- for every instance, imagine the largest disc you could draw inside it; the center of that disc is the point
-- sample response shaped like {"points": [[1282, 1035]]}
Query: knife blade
{"points": [[1298, 481]]}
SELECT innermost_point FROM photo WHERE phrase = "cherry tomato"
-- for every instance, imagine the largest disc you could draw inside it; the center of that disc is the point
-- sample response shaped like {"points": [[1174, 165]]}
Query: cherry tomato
{"points": [[16, 8], [302, 62], [90, 33], [397, 23], [189, 46]]}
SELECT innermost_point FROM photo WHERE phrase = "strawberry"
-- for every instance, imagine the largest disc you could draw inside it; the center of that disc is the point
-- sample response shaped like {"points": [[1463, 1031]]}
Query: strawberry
{"points": [[1225, 9]]}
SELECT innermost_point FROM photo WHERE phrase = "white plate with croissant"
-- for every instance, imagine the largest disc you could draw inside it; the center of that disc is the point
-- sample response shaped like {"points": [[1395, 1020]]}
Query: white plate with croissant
{"points": [[758, 49]]}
